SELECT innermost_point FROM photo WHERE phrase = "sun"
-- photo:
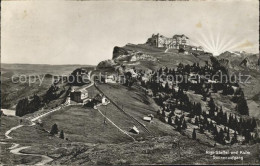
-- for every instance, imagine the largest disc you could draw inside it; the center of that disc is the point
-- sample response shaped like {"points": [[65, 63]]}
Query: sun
{"points": [[217, 42], [215, 53]]}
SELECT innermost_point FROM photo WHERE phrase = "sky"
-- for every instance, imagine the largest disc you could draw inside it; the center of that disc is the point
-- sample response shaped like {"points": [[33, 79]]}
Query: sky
{"points": [[85, 32]]}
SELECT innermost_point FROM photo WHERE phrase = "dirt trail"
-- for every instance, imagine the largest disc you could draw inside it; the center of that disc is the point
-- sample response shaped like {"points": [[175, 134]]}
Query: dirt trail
{"points": [[45, 159]]}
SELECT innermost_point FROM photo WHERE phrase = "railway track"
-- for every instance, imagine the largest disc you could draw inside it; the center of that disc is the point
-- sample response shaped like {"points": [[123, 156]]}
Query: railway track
{"points": [[136, 122]]}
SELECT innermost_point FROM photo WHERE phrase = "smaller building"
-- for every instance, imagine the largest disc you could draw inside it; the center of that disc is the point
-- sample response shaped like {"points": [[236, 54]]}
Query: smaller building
{"points": [[110, 79], [79, 96], [104, 100], [134, 130], [147, 119]]}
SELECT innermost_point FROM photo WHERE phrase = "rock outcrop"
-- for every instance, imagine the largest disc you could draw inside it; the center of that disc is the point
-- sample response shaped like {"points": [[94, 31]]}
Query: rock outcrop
{"points": [[106, 64], [119, 51], [250, 62], [239, 59]]}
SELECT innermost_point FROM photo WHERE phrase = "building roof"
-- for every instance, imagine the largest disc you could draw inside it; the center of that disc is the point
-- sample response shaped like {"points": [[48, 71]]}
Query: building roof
{"points": [[175, 36], [81, 90]]}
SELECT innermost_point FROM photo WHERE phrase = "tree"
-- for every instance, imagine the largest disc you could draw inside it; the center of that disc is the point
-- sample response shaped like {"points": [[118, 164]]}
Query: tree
{"points": [[54, 129], [61, 134], [221, 136], [242, 107], [25, 106], [179, 127], [196, 121], [247, 136], [176, 121], [166, 88], [212, 107], [184, 125], [215, 130], [198, 109], [201, 129], [194, 135], [253, 124], [228, 135], [21, 107], [170, 120], [234, 139]]}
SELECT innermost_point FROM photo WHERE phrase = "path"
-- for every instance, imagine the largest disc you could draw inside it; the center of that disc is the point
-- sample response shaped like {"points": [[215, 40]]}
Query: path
{"points": [[15, 149], [45, 159]]}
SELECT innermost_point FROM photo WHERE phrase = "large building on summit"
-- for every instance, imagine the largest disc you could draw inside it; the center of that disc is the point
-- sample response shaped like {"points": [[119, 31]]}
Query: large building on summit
{"points": [[176, 41]]}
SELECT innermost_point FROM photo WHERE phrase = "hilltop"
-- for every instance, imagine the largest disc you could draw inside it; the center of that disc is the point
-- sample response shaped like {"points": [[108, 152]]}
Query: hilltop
{"points": [[169, 52]]}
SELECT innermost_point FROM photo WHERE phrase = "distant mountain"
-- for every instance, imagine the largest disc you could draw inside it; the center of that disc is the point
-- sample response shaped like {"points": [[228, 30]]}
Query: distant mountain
{"points": [[239, 60]]}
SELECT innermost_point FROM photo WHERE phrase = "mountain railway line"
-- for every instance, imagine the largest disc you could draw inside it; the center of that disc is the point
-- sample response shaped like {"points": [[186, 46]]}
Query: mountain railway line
{"points": [[135, 121]]}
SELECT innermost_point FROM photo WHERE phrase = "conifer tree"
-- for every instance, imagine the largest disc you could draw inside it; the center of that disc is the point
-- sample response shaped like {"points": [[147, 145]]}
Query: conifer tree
{"points": [[170, 120], [179, 127], [61, 134], [54, 129], [242, 107], [234, 139], [184, 125], [201, 129], [176, 121], [228, 135], [194, 137]]}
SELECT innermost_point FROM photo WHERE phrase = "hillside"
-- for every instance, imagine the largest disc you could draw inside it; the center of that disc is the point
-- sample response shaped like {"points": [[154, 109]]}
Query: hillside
{"points": [[245, 64], [239, 60], [43, 75], [102, 133]]}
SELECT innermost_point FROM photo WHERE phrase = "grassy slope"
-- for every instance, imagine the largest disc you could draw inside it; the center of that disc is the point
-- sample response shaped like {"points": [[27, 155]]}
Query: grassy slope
{"points": [[84, 125], [7, 122], [138, 105]]}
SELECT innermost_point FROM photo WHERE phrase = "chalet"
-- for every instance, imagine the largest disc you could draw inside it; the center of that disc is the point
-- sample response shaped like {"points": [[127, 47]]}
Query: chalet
{"points": [[147, 119], [104, 100], [79, 96], [134, 130], [151, 115]]}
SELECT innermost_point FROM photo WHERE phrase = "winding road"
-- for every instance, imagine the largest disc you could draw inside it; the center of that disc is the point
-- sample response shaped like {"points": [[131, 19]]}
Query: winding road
{"points": [[15, 148]]}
